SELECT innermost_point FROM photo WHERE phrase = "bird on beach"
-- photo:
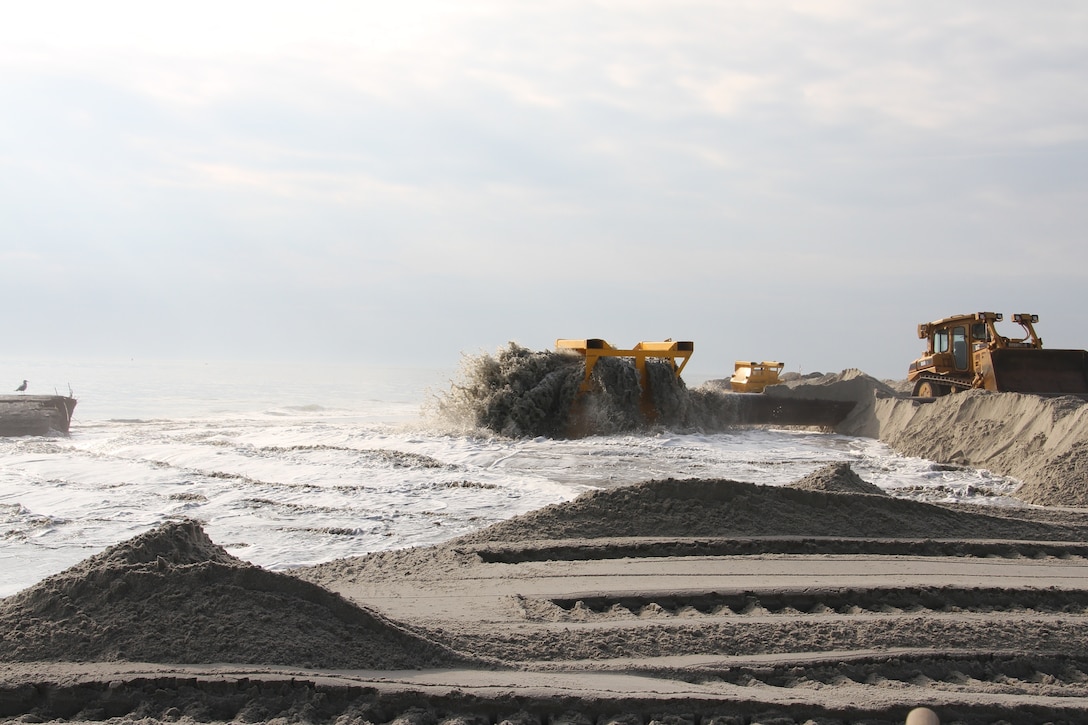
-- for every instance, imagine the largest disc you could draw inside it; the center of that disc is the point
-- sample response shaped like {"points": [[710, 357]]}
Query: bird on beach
{"points": [[21, 388]]}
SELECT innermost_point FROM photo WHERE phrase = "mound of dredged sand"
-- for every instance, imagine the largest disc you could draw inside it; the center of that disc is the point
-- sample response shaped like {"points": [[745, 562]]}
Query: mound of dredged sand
{"points": [[831, 502], [816, 506], [172, 595], [837, 478], [1042, 442]]}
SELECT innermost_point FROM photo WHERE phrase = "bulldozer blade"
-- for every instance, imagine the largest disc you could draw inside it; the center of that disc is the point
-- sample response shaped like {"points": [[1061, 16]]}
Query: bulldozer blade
{"points": [[1042, 372], [763, 409]]}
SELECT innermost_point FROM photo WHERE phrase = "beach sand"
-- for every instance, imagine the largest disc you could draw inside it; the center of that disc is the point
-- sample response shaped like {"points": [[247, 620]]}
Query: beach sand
{"points": [[673, 602]]}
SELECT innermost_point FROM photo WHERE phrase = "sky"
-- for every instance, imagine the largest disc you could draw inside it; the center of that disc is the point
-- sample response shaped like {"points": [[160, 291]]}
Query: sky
{"points": [[407, 183]]}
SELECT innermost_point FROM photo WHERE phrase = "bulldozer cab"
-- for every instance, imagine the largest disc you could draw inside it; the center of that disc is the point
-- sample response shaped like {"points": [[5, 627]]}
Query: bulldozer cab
{"points": [[953, 339], [948, 343]]}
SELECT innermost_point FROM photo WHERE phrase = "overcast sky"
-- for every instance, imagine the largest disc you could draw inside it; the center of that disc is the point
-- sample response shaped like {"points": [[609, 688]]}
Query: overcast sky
{"points": [[403, 182]]}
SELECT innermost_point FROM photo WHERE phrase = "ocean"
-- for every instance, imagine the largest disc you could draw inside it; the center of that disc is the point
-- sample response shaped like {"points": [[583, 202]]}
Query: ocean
{"points": [[289, 465]]}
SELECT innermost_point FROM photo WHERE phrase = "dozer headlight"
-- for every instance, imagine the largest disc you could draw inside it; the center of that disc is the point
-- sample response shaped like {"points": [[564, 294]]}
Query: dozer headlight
{"points": [[1025, 317]]}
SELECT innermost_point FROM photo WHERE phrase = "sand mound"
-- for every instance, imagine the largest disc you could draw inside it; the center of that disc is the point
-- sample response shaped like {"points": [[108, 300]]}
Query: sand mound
{"points": [[175, 543], [837, 478], [1040, 441], [717, 508], [850, 384], [172, 595]]}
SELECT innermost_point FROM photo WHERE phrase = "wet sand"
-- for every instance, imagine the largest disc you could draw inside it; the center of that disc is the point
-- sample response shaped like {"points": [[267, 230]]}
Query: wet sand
{"points": [[671, 601]]}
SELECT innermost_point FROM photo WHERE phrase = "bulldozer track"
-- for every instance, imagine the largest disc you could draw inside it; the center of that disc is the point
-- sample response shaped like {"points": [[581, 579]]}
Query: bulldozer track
{"points": [[943, 381], [887, 601], [338, 699], [1002, 672]]}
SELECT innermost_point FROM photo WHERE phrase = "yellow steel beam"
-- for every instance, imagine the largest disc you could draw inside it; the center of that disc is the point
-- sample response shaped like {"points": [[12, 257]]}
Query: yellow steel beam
{"points": [[594, 348]]}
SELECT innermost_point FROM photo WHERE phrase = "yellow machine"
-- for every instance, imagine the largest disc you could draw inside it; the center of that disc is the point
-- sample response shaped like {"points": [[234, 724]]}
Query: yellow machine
{"points": [[740, 409], [753, 377], [594, 349], [967, 351]]}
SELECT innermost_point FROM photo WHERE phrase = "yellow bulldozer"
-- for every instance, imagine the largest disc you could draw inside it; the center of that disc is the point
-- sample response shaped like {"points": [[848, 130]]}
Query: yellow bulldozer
{"points": [[751, 376], [967, 351]]}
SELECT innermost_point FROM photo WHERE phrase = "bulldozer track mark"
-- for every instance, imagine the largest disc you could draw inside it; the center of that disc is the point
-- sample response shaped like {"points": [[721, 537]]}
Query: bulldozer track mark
{"points": [[587, 641], [796, 546], [1007, 673], [324, 701], [912, 601]]}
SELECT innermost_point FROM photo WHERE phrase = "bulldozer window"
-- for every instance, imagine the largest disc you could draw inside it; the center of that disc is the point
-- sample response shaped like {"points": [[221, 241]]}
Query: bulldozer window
{"points": [[979, 332], [940, 341], [959, 347]]}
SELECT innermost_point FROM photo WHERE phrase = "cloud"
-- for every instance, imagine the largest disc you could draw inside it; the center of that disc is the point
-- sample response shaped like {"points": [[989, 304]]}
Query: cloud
{"points": [[487, 167]]}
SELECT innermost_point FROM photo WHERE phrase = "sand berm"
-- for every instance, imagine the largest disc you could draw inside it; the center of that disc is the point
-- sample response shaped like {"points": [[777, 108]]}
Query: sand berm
{"points": [[677, 601]]}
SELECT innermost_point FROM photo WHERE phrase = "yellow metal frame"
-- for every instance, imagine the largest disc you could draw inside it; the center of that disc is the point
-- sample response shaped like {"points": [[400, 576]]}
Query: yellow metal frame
{"points": [[594, 349]]}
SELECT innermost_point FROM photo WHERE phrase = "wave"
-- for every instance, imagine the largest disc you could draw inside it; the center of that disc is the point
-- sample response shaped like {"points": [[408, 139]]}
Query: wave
{"points": [[396, 459], [286, 411]]}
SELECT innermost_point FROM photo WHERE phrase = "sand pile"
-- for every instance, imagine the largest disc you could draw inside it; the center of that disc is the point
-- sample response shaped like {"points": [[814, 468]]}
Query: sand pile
{"points": [[717, 508], [1040, 441], [851, 384], [823, 504], [837, 478], [172, 595]]}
